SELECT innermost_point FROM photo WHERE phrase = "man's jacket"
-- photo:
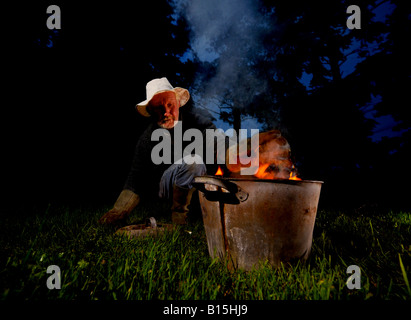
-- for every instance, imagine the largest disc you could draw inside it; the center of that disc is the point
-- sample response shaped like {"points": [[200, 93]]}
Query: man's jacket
{"points": [[144, 175]]}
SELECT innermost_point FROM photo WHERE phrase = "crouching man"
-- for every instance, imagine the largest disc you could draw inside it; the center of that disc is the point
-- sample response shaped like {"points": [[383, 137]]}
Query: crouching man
{"points": [[168, 180]]}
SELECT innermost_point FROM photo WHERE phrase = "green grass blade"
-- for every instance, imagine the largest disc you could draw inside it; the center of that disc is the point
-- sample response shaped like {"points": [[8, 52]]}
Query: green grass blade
{"points": [[404, 274]]}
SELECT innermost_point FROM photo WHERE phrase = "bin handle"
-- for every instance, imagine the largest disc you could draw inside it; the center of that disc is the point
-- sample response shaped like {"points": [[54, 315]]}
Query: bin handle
{"points": [[231, 187], [151, 222]]}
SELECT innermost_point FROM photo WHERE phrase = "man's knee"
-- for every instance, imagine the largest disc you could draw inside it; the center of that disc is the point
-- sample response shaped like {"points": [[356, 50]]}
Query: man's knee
{"points": [[188, 172], [194, 165], [196, 169], [181, 175], [191, 167]]}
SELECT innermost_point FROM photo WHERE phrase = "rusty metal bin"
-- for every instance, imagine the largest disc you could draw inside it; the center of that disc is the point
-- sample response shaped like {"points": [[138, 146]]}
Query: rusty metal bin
{"points": [[255, 220]]}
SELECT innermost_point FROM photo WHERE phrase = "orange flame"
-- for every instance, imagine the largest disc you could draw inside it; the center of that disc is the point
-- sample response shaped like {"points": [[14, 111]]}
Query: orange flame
{"points": [[261, 174], [274, 157], [219, 172], [293, 176]]}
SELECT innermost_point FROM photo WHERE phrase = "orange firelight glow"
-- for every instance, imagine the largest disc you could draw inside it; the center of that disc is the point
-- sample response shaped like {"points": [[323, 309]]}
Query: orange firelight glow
{"points": [[293, 176], [261, 172], [273, 156], [219, 172]]}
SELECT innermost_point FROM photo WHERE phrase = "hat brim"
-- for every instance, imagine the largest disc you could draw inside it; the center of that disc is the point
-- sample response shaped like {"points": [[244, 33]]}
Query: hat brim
{"points": [[182, 95]]}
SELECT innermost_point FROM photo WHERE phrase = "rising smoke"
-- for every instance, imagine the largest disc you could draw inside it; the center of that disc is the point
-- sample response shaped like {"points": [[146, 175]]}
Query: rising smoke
{"points": [[230, 35]]}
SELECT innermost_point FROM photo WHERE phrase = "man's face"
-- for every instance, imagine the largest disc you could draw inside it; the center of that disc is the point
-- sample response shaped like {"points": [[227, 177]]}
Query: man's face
{"points": [[165, 108]]}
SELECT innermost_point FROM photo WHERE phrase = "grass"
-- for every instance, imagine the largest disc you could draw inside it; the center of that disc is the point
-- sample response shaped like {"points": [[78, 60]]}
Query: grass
{"points": [[97, 265]]}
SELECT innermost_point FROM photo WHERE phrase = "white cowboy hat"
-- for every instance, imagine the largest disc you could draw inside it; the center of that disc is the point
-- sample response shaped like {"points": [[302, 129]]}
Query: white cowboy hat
{"points": [[161, 85]]}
